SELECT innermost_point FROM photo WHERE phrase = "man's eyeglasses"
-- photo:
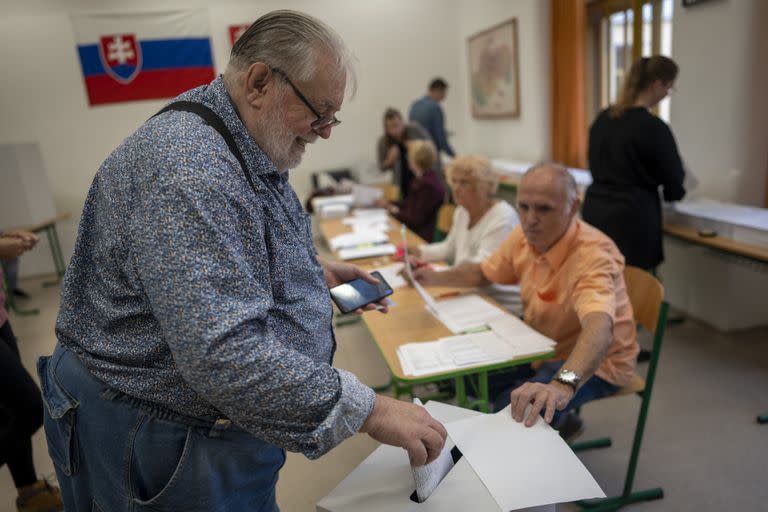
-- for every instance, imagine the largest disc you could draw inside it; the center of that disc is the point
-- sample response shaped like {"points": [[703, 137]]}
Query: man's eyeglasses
{"points": [[322, 121]]}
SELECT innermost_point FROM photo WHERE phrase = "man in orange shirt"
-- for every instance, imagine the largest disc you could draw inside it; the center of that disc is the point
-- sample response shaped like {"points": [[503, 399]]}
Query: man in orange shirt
{"points": [[572, 287]]}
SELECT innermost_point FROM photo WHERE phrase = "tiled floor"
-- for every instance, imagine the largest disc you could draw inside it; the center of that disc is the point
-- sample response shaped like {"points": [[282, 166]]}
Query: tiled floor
{"points": [[702, 443]]}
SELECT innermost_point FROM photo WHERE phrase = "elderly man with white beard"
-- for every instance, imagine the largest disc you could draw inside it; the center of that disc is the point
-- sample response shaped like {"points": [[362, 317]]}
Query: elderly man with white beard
{"points": [[195, 334]]}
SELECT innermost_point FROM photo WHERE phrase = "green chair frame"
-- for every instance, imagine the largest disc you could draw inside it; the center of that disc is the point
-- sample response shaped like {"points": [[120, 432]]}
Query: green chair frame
{"points": [[628, 496]]}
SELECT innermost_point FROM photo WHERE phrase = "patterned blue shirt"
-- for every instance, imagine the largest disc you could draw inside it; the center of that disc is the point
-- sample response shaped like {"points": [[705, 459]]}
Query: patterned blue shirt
{"points": [[189, 290]]}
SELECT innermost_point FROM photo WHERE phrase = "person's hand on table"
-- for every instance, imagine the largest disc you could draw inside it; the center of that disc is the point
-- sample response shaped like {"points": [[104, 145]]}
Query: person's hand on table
{"points": [[30, 239], [426, 275], [13, 245], [547, 397], [408, 426], [337, 273]]}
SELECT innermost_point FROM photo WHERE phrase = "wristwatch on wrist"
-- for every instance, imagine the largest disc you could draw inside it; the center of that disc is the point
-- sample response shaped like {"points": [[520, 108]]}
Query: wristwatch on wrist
{"points": [[568, 377]]}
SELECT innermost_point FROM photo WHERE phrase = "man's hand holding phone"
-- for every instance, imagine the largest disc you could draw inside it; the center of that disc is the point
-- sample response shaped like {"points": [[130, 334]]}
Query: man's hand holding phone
{"points": [[368, 293]]}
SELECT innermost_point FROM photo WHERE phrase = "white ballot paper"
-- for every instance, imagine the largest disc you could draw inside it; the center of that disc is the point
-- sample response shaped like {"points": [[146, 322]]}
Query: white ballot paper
{"points": [[365, 195], [428, 476], [383, 482], [356, 239], [391, 274], [522, 466], [467, 312], [366, 251]]}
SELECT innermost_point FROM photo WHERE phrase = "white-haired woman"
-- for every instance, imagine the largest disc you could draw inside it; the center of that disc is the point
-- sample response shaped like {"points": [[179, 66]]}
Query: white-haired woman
{"points": [[480, 223]]}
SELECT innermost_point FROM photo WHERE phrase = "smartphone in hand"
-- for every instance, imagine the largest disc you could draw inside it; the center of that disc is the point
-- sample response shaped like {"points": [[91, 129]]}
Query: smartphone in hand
{"points": [[358, 293]]}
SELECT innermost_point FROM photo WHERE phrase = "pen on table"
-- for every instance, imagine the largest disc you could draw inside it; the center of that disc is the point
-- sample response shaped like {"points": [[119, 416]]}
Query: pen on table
{"points": [[447, 294]]}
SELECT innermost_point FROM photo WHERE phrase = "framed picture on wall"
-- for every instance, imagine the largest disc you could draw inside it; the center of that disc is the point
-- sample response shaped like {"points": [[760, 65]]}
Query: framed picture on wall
{"points": [[494, 72]]}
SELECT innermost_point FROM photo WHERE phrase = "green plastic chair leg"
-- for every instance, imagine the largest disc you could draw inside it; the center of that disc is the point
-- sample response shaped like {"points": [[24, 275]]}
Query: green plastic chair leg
{"points": [[609, 504], [592, 444]]}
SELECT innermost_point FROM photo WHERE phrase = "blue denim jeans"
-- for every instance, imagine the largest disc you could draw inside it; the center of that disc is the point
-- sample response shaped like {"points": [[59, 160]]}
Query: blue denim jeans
{"points": [[592, 389], [115, 454]]}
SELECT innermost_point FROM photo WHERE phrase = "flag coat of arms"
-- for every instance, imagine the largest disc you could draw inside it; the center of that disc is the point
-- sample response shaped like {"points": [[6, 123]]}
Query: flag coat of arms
{"points": [[143, 55]]}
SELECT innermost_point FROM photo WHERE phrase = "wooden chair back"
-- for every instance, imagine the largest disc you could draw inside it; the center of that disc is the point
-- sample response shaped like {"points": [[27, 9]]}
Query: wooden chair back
{"points": [[646, 295], [445, 217]]}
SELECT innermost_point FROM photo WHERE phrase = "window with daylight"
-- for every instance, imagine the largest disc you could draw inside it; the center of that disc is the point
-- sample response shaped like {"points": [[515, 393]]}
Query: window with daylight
{"points": [[619, 32]]}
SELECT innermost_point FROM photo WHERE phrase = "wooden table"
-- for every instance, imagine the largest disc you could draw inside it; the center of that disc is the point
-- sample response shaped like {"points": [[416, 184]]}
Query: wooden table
{"points": [[720, 243], [409, 321]]}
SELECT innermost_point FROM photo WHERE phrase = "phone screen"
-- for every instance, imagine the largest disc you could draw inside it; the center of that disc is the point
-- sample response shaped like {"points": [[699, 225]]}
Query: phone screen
{"points": [[357, 293]]}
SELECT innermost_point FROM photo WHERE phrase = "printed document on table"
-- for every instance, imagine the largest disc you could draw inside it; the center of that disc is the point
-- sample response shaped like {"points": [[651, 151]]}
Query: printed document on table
{"points": [[522, 466], [391, 274], [467, 312], [355, 239], [521, 338], [424, 358], [366, 251], [426, 297], [365, 195]]}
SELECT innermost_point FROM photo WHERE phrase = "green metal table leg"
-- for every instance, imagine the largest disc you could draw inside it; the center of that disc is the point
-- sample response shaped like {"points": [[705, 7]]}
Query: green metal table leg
{"points": [[603, 442], [386, 387], [461, 393], [58, 258], [485, 400], [609, 504], [762, 419]]}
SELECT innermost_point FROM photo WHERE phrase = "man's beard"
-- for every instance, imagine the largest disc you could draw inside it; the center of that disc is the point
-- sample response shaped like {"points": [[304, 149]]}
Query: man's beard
{"points": [[277, 141]]}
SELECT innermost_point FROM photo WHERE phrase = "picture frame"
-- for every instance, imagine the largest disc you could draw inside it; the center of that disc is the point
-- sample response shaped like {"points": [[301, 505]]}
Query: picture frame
{"points": [[494, 76]]}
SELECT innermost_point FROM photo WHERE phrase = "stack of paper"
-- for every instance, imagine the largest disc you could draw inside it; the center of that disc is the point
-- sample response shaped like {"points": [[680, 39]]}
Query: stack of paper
{"points": [[365, 195], [367, 251], [368, 220], [470, 350], [356, 239], [467, 313], [391, 274]]}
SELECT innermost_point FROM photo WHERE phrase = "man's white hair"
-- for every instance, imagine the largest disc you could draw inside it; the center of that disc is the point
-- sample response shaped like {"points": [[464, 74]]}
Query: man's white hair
{"points": [[290, 41]]}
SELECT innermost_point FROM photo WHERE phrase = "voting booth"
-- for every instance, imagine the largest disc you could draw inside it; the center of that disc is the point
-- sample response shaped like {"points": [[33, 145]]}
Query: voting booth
{"points": [[504, 466], [25, 198]]}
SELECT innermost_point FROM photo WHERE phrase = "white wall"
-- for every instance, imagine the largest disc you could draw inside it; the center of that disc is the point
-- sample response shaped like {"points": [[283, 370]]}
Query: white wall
{"points": [[400, 44], [526, 138], [720, 110]]}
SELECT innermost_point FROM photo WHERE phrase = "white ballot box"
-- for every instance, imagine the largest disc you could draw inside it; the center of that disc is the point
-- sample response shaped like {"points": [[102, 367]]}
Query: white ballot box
{"points": [[498, 470]]}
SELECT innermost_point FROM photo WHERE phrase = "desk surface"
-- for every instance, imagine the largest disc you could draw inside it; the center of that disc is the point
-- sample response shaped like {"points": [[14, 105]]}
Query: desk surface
{"points": [[329, 228], [716, 242], [43, 224], [408, 320]]}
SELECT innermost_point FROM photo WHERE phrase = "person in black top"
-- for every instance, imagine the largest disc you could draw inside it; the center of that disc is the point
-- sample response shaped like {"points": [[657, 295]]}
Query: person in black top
{"points": [[631, 154]]}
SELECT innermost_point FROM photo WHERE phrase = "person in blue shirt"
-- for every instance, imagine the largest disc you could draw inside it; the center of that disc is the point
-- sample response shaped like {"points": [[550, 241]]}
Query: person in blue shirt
{"points": [[428, 113], [195, 336]]}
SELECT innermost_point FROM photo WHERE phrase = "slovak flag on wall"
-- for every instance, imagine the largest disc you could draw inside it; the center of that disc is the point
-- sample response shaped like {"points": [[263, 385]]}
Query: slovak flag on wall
{"points": [[143, 55]]}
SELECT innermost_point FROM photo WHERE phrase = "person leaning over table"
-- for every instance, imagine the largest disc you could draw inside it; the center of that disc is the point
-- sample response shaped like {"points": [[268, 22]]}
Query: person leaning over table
{"points": [[572, 286], [391, 149], [419, 209], [195, 334], [480, 223], [633, 154]]}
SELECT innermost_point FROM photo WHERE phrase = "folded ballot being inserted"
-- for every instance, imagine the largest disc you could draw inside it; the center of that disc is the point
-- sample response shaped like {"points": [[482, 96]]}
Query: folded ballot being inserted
{"points": [[429, 476], [505, 466]]}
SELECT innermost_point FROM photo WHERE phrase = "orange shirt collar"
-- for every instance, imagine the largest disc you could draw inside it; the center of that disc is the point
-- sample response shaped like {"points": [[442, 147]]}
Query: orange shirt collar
{"points": [[556, 254]]}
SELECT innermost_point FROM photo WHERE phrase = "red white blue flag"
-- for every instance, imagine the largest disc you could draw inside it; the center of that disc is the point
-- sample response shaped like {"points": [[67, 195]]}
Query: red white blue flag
{"points": [[143, 55]]}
